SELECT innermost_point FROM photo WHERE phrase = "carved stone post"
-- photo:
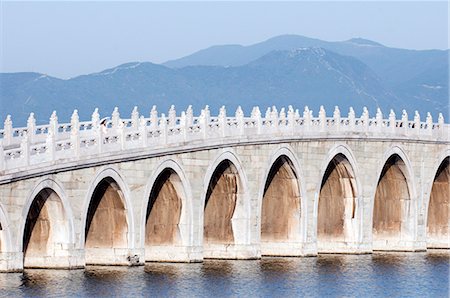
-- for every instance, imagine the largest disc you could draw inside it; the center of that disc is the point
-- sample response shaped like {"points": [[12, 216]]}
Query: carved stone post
{"points": [[74, 133], [163, 128], [351, 119], [337, 118], [256, 116], [135, 118], [31, 127], [240, 120], [7, 131], [322, 118], [143, 131], [25, 148], [392, 121], [223, 121]]}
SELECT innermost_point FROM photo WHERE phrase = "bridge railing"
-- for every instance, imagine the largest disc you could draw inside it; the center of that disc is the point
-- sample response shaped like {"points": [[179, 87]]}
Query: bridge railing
{"points": [[61, 142]]}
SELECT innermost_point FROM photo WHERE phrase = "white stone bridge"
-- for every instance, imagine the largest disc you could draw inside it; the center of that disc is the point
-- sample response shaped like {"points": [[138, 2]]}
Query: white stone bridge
{"points": [[184, 188]]}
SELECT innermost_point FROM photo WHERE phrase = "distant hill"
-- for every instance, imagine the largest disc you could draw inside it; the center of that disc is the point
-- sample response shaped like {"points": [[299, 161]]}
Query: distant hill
{"points": [[310, 74]]}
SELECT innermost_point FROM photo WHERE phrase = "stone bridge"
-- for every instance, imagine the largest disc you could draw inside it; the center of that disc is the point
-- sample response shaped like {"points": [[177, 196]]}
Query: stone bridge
{"points": [[180, 188]]}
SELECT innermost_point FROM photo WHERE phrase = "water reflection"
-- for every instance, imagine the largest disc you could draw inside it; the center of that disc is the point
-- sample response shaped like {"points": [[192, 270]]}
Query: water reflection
{"points": [[380, 274]]}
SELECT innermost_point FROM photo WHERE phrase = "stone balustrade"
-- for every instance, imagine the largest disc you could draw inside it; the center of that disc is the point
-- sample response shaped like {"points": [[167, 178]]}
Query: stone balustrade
{"points": [[34, 144]]}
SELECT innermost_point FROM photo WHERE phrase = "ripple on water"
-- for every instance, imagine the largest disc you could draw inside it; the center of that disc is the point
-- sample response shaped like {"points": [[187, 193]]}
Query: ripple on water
{"points": [[379, 274]]}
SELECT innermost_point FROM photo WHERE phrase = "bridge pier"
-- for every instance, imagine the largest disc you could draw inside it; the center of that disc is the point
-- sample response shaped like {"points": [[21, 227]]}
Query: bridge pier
{"points": [[11, 261]]}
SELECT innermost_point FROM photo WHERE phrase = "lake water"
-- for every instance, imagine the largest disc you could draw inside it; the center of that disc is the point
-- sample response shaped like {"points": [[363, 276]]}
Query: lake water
{"points": [[380, 274]]}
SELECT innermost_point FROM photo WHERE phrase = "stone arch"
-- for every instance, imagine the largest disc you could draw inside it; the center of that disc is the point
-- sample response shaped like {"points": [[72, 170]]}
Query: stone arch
{"points": [[282, 185], [47, 234], [394, 211], [226, 208], [168, 198], [108, 202], [438, 207], [338, 213]]}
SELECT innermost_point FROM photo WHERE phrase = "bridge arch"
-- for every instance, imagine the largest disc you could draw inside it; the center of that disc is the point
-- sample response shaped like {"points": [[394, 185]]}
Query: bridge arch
{"points": [[437, 214], [283, 184], [167, 193], [394, 207], [107, 200], [337, 207], [46, 232], [226, 205]]}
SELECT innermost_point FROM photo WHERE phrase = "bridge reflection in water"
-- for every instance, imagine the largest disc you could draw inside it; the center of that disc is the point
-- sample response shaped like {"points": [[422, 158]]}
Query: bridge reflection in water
{"points": [[185, 189], [377, 275]]}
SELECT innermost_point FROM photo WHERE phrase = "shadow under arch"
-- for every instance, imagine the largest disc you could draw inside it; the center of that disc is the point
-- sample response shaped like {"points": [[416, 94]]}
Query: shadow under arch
{"points": [[108, 221], [337, 218], [47, 237], [438, 213], [393, 210], [281, 203], [226, 210]]}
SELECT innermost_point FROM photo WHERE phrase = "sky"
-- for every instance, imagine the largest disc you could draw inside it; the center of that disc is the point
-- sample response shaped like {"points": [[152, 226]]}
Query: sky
{"points": [[66, 39]]}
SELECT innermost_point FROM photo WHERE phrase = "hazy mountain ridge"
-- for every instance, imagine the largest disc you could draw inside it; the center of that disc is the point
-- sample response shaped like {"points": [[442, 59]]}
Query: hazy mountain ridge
{"points": [[295, 76]]}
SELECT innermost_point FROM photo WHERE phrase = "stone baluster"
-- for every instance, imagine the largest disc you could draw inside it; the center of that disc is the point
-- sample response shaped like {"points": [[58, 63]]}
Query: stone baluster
{"points": [[291, 118], [240, 120], [256, 116], [50, 142], [74, 133], [274, 117], [163, 128], [53, 125], [322, 118], [189, 116], [405, 121], [25, 148], [172, 116], [7, 131], [267, 117], [441, 124], [417, 122], [135, 118], [392, 121], [337, 117], [95, 119], [365, 118], [143, 131], [183, 125], [222, 121], [351, 119], [31, 127], [429, 123], [282, 117], [153, 118], [50, 145], [204, 121], [379, 119], [307, 118], [115, 118]]}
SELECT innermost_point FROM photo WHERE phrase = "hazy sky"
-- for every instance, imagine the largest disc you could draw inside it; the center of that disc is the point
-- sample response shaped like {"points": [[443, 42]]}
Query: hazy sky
{"points": [[65, 39]]}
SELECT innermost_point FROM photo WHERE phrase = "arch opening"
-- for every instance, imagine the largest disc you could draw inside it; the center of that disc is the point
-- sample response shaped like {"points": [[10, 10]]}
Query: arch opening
{"points": [[164, 210], [280, 203], [106, 230], [46, 231], [392, 204], [337, 205], [438, 222], [222, 194]]}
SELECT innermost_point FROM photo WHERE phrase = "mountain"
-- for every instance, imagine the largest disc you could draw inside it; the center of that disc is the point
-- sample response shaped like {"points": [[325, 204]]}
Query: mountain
{"points": [[305, 76], [395, 67]]}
